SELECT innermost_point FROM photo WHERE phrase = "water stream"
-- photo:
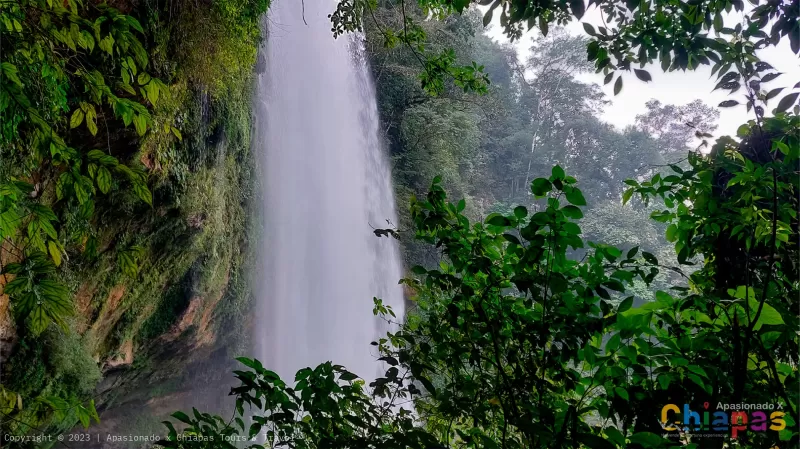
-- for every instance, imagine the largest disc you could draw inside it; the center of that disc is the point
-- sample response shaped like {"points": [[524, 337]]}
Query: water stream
{"points": [[326, 185]]}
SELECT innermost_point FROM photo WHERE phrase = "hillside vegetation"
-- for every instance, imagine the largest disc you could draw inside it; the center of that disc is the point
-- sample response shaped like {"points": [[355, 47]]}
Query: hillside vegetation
{"points": [[126, 183], [534, 114]]}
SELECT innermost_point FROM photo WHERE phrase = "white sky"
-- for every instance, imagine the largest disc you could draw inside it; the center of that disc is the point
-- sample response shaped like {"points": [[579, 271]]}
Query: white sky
{"points": [[676, 87]]}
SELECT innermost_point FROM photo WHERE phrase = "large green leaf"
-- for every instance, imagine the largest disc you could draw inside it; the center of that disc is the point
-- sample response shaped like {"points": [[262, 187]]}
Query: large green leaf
{"points": [[573, 212], [541, 186], [143, 193], [648, 440], [76, 119], [103, 179], [594, 441], [574, 196]]}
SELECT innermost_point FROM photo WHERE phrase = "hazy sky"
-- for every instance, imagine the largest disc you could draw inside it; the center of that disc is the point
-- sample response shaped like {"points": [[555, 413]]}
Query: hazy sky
{"points": [[673, 87]]}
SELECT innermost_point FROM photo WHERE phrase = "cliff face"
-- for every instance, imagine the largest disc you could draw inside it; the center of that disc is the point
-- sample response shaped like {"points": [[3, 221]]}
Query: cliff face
{"points": [[164, 296]]}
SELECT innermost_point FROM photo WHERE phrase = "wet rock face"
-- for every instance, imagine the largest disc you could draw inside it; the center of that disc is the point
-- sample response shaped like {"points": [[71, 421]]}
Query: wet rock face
{"points": [[7, 341], [186, 319], [261, 63], [8, 330], [124, 357]]}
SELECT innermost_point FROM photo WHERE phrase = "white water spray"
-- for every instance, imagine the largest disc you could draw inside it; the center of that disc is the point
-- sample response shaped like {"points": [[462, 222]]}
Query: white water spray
{"points": [[326, 183]]}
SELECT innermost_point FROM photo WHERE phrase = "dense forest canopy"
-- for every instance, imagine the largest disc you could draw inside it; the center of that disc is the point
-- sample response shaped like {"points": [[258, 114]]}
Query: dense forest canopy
{"points": [[571, 284], [535, 115]]}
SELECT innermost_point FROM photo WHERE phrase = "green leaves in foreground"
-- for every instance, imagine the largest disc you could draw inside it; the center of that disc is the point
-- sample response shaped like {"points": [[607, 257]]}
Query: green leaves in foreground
{"points": [[438, 67], [84, 412], [516, 343], [326, 407], [37, 298]]}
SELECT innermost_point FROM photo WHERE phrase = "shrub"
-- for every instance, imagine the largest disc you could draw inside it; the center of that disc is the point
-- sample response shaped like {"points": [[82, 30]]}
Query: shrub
{"points": [[71, 362]]}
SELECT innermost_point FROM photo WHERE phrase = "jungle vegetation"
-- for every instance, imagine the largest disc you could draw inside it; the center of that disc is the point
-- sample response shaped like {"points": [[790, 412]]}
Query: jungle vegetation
{"points": [[525, 329], [125, 183], [581, 278]]}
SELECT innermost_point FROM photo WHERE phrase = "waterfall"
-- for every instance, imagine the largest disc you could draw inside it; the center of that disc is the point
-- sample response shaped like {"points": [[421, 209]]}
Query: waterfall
{"points": [[326, 185]]}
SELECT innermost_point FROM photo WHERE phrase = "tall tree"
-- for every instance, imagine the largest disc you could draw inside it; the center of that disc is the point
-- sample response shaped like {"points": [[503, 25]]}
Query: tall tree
{"points": [[676, 127]]}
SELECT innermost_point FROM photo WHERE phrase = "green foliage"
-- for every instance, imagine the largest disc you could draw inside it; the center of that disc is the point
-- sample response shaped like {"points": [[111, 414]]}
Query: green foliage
{"points": [[100, 194], [218, 45], [38, 300], [73, 364], [738, 209], [507, 345], [749, 218], [491, 313], [488, 148], [51, 374], [66, 56], [440, 140], [523, 337], [405, 29], [678, 34], [28, 366], [327, 407], [70, 411], [128, 260]]}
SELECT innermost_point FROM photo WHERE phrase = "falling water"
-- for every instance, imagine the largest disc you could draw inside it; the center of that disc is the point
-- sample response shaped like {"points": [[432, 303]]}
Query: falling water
{"points": [[326, 185]]}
